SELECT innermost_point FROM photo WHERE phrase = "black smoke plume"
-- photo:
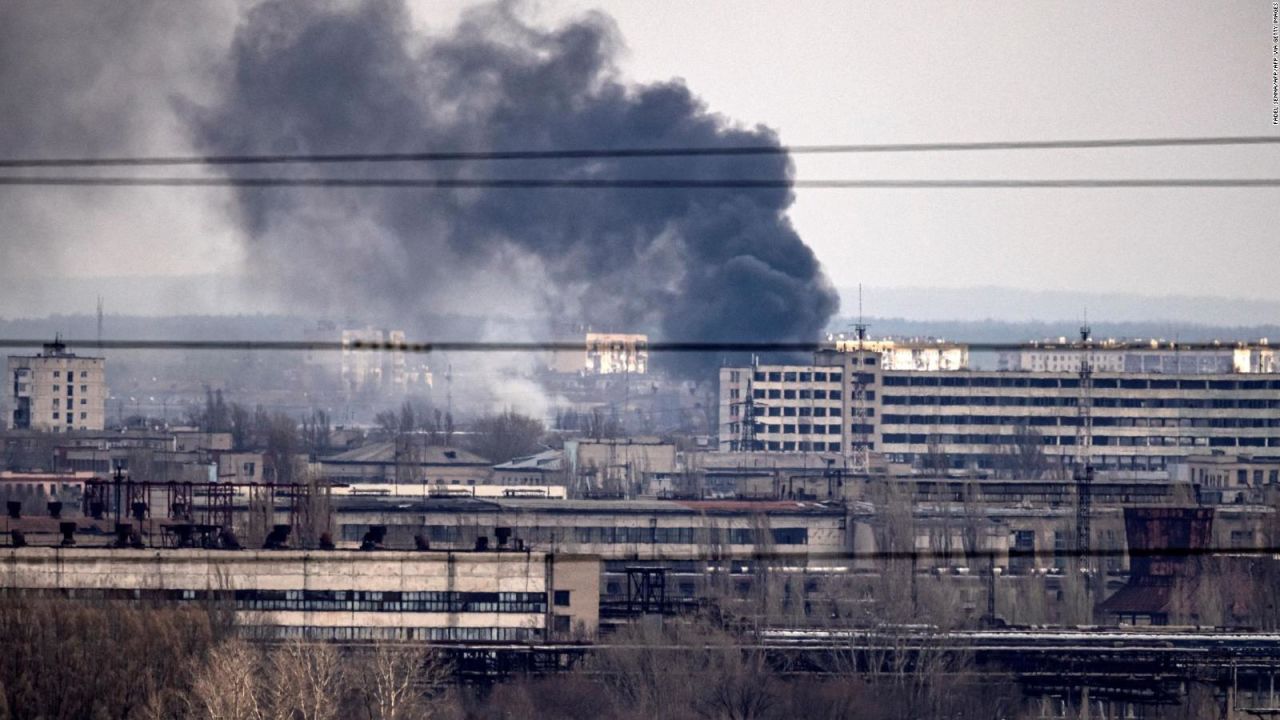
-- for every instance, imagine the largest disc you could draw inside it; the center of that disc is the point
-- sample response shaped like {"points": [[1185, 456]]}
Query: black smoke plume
{"points": [[682, 265]]}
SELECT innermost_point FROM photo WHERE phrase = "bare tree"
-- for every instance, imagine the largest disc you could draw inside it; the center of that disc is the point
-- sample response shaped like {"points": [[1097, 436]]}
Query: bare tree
{"points": [[226, 684], [394, 682], [508, 435], [305, 681]]}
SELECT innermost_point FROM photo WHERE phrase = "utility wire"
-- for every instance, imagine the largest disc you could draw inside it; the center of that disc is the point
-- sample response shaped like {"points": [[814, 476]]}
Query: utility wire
{"points": [[572, 346], [579, 154], [638, 184]]}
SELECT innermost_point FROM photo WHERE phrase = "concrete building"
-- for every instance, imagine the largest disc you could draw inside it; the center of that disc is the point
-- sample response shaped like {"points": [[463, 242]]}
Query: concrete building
{"points": [[1223, 478], [1153, 357], [1141, 422], [56, 391], [913, 354], [544, 468], [406, 461], [364, 370], [617, 466], [616, 353], [338, 595]]}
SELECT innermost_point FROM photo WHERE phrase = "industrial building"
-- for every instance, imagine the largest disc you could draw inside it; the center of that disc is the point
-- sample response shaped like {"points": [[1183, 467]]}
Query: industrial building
{"points": [[975, 419], [337, 595], [56, 391]]}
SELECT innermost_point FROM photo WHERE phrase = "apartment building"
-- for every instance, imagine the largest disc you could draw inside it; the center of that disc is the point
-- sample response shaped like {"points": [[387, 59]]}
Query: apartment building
{"points": [[1151, 358], [380, 370], [912, 354], [984, 419], [56, 391], [615, 353]]}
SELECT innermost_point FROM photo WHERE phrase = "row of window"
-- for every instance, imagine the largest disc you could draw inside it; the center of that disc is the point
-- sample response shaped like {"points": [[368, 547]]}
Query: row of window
{"points": [[797, 376], [422, 601], [792, 394], [1098, 440], [1097, 402], [687, 535], [328, 600], [84, 374], [431, 634], [1074, 421], [789, 446], [793, 411], [913, 380]]}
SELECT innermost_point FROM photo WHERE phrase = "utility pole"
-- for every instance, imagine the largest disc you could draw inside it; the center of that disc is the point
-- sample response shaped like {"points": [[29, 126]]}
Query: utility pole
{"points": [[1084, 461]]}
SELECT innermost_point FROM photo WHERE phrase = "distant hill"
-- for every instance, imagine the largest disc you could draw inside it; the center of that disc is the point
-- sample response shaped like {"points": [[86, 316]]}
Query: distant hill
{"points": [[1060, 308]]}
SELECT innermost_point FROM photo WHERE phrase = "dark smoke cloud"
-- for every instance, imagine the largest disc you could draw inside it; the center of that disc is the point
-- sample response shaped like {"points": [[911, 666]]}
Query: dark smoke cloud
{"points": [[682, 265]]}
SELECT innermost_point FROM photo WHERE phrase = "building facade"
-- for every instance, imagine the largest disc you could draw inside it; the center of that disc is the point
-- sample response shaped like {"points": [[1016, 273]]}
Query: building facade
{"points": [[971, 419], [56, 391], [338, 595], [925, 354], [613, 353], [1152, 358]]}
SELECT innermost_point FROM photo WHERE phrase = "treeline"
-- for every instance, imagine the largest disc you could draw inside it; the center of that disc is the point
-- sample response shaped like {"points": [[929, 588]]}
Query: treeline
{"points": [[67, 659]]}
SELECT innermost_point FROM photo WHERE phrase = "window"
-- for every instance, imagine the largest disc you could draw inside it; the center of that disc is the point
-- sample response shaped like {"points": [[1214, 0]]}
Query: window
{"points": [[55, 416], [562, 598], [56, 388], [84, 374], [84, 416], [561, 623], [57, 374]]}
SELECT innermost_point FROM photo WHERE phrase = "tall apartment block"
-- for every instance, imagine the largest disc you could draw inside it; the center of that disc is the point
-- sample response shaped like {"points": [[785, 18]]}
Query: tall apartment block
{"points": [[980, 418], [56, 390]]}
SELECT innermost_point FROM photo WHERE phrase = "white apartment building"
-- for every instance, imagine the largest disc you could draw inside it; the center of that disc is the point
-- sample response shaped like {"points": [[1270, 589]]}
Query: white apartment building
{"points": [[976, 419], [610, 353], [926, 354], [1152, 358], [56, 391]]}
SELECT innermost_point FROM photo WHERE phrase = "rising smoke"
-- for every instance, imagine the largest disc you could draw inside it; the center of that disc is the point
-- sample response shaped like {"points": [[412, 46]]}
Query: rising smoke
{"points": [[686, 265]]}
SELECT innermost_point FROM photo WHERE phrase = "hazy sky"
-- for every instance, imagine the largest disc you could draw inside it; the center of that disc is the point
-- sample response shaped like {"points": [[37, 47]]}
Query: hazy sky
{"points": [[870, 72], [825, 72]]}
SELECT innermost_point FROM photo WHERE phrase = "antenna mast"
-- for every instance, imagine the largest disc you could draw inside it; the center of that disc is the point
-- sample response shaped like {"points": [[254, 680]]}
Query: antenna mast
{"points": [[861, 444], [99, 321]]}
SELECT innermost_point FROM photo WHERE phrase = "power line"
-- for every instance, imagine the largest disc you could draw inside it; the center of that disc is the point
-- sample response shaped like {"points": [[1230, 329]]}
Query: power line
{"points": [[568, 346], [620, 153], [625, 184]]}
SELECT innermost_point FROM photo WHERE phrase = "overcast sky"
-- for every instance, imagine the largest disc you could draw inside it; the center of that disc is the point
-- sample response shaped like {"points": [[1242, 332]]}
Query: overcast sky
{"points": [[850, 72], [888, 72]]}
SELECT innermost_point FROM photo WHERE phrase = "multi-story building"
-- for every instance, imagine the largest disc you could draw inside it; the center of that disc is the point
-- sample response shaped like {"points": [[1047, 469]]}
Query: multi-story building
{"points": [[56, 390], [1154, 357], [610, 353], [992, 419], [927, 354], [363, 369]]}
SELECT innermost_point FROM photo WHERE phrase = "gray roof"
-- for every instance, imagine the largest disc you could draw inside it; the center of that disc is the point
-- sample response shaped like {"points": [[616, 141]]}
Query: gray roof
{"points": [[546, 461], [384, 453]]}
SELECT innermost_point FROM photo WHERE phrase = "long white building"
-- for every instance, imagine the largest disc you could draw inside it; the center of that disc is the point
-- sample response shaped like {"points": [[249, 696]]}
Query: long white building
{"points": [[980, 419]]}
